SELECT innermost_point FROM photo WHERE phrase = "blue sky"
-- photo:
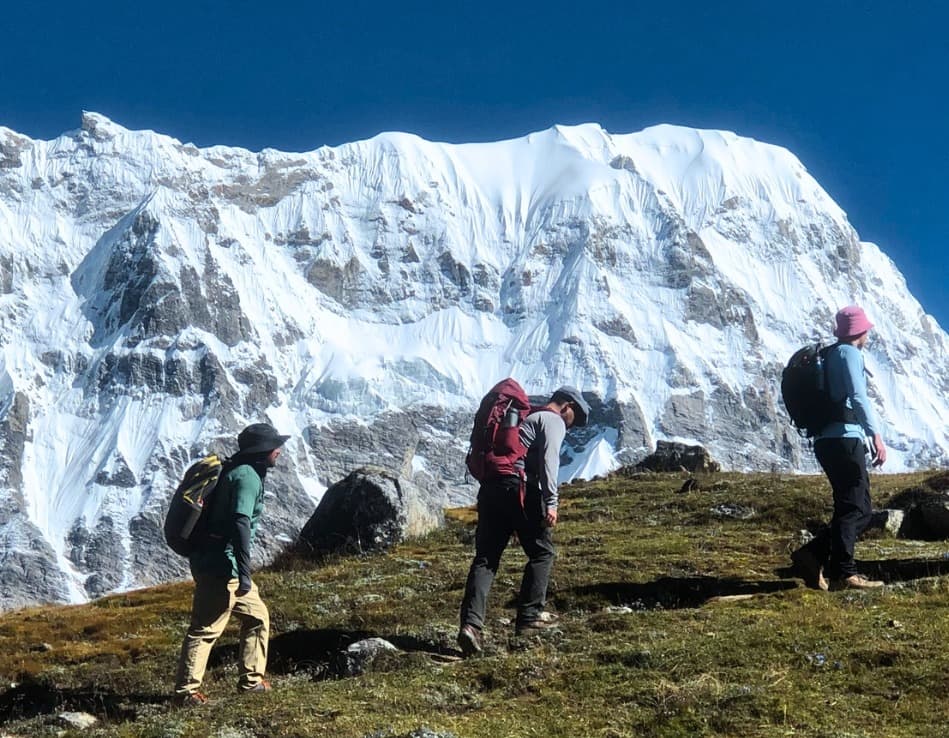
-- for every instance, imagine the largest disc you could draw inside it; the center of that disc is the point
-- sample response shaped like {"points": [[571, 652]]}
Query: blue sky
{"points": [[856, 90]]}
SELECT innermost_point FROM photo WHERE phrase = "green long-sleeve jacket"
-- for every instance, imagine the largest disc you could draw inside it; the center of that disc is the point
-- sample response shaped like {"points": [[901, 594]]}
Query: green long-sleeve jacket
{"points": [[240, 493]]}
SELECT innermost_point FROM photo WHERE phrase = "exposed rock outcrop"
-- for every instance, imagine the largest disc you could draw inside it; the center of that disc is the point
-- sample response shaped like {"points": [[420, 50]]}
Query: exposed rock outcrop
{"points": [[674, 457], [369, 510]]}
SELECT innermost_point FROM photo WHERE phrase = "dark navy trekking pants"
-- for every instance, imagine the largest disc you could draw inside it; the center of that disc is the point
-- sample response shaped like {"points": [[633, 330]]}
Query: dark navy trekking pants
{"points": [[499, 515], [844, 461]]}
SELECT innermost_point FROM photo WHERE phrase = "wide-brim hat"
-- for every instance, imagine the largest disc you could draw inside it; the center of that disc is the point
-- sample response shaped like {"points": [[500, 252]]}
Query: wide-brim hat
{"points": [[258, 438], [851, 321], [580, 406]]}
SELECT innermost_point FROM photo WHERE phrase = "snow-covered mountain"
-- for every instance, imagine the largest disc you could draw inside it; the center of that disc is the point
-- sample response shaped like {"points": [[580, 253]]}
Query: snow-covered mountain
{"points": [[155, 297]]}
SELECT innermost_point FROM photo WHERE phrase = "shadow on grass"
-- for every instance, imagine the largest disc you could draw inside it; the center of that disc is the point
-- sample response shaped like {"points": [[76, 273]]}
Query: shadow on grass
{"points": [[296, 651], [33, 699], [668, 593], [321, 652], [904, 570], [887, 570]]}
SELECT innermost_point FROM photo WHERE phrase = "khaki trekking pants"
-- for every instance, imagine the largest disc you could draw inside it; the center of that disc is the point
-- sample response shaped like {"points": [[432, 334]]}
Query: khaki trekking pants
{"points": [[214, 603]]}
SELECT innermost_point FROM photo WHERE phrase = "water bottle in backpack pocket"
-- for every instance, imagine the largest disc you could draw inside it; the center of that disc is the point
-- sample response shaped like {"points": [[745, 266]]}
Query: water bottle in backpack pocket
{"points": [[495, 443]]}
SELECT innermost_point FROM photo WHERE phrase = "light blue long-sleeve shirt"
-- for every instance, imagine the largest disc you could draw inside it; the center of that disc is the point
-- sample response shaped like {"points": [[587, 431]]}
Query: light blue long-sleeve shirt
{"points": [[846, 378]]}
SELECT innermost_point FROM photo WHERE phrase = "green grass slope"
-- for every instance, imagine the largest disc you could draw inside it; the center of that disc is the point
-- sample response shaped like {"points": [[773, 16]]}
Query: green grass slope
{"points": [[678, 618]]}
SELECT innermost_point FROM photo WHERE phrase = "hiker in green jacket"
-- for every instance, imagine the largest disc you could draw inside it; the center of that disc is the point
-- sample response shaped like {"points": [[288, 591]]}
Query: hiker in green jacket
{"points": [[221, 570]]}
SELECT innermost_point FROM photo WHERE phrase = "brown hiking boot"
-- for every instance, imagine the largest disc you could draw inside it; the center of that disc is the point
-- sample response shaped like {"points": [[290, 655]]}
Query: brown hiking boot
{"points": [[469, 640], [262, 686], [810, 569], [857, 581], [191, 699]]}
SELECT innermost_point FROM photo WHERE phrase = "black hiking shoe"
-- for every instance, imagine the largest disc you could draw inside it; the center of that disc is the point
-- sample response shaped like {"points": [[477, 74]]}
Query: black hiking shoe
{"points": [[469, 640]]}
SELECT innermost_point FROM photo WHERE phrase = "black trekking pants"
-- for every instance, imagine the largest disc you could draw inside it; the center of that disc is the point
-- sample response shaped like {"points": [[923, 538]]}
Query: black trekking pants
{"points": [[845, 463], [499, 515]]}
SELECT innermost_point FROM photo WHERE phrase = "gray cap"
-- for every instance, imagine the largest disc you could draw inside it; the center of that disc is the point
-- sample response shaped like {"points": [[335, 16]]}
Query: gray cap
{"points": [[581, 407]]}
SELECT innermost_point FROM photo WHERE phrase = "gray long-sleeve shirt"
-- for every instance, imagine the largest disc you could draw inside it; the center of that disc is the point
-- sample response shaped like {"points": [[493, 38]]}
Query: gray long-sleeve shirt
{"points": [[542, 432]]}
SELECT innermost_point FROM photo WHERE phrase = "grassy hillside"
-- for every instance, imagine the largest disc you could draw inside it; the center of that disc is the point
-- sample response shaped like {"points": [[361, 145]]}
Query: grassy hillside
{"points": [[677, 619]]}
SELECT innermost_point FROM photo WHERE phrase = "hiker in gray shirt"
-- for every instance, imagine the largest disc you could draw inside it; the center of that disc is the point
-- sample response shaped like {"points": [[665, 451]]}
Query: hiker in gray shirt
{"points": [[528, 507], [542, 463]]}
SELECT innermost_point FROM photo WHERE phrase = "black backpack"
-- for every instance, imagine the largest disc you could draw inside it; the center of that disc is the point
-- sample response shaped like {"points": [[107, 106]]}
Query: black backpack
{"points": [[186, 520], [805, 395]]}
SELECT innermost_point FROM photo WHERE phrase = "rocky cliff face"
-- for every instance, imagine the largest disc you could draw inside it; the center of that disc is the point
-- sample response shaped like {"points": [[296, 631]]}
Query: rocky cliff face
{"points": [[156, 297]]}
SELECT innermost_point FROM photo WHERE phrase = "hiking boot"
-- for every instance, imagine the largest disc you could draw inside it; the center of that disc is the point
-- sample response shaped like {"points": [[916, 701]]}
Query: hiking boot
{"points": [[262, 686], [548, 617], [810, 569], [469, 640], [536, 625], [191, 699], [857, 581]]}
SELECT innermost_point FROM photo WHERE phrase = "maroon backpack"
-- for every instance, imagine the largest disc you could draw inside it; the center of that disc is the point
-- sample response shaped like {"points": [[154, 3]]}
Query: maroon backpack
{"points": [[495, 437]]}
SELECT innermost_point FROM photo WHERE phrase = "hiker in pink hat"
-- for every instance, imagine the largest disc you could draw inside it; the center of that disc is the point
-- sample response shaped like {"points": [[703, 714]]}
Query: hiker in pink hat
{"points": [[841, 449], [852, 323]]}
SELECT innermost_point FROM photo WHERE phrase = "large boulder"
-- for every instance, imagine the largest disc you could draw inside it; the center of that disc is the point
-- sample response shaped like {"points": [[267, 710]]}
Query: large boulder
{"points": [[925, 509], [370, 510], [673, 457]]}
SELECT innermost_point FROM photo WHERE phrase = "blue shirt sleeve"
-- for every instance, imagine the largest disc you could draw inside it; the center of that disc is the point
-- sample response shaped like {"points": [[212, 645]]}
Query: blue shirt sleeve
{"points": [[854, 379]]}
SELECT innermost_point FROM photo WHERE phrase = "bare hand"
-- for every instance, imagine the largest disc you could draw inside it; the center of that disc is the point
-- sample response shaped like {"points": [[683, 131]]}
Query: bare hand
{"points": [[551, 517], [879, 451]]}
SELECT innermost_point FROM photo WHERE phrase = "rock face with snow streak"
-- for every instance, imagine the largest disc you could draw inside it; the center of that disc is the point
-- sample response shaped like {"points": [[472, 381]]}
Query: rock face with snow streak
{"points": [[155, 297]]}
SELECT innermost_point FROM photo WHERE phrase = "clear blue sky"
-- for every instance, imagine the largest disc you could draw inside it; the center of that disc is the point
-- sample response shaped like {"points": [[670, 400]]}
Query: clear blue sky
{"points": [[857, 90]]}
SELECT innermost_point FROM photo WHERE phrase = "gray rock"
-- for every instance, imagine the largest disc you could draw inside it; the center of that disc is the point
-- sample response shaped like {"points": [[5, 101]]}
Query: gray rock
{"points": [[925, 509], [359, 656], [100, 551], [369, 510], [734, 510], [77, 720], [13, 436], [421, 732], [720, 305], [892, 521], [673, 457], [29, 573], [685, 415]]}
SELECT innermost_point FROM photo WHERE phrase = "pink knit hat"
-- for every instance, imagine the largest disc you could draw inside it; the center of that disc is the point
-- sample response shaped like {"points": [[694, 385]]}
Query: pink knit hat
{"points": [[851, 321]]}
